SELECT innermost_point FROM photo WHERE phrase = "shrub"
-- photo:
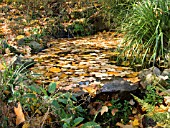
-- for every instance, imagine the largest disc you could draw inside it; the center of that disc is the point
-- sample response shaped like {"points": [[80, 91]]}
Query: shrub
{"points": [[147, 31], [115, 11]]}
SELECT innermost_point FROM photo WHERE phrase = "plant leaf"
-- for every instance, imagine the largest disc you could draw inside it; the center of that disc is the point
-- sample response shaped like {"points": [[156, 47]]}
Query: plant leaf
{"points": [[52, 87], [91, 125], [78, 121]]}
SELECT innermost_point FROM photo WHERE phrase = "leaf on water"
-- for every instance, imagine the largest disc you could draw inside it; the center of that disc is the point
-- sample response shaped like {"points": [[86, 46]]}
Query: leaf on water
{"points": [[20, 115], [104, 109], [55, 70], [113, 73], [90, 90], [133, 74], [133, 80]]}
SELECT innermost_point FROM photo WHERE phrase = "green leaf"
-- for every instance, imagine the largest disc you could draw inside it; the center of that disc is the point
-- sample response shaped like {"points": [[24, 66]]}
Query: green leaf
{"points": [[52, 87], [91, 125], [74, 98], [64, 101], [29, 95], [44, 91], [55, 104], [35, 89], [78, 121]]}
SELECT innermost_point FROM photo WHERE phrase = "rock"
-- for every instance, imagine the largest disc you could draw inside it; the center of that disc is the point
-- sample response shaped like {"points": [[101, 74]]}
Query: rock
{"points": [[118, 88], [148, 122], [148, 76], [35, 47], [21, 42], [166, 72]]}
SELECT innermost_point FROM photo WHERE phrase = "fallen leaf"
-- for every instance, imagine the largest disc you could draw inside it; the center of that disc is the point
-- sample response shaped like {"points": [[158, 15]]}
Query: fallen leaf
{"points": [[90, 90], [20, 115], [114, 111], [104, 109], [133, 80], [55, 70], [135, 122], [167, 100], [108, 103], [133, 74], [19, 37]]}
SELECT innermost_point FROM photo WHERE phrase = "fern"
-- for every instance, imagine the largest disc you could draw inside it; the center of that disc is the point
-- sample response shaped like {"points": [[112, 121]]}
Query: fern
{"points": [[162, 118], [145, 106]]}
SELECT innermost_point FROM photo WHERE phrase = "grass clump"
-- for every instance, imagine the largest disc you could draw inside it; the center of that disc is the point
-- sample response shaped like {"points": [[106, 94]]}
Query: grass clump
{"points": [[147, 32]]}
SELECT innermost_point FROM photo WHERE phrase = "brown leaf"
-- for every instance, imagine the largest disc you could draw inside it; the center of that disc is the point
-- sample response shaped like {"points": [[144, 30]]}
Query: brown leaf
{"points": [[114, 111], [20, 115]]}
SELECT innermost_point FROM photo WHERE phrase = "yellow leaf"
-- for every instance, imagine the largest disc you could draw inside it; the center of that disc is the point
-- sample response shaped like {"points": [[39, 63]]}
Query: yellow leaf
{"points": [[20, 115], [135, 122], [90, 90], [104, 109], [133, 74], [133, 80], [19, 37], [55, 70]]}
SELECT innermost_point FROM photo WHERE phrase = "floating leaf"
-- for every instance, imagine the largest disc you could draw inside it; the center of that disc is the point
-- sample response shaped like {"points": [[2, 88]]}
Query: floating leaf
{"points": [[90, 90], [55, 70], [52, 87], [20, 115], [133, 74], [133, 80], [104, 109]]}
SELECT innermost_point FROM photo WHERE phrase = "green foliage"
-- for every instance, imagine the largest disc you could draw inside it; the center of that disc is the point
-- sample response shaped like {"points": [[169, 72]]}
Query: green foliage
{"points": [[10, 79], [151, 96], [91, 125], [122, 111], [147, 32], [115, 11]]}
